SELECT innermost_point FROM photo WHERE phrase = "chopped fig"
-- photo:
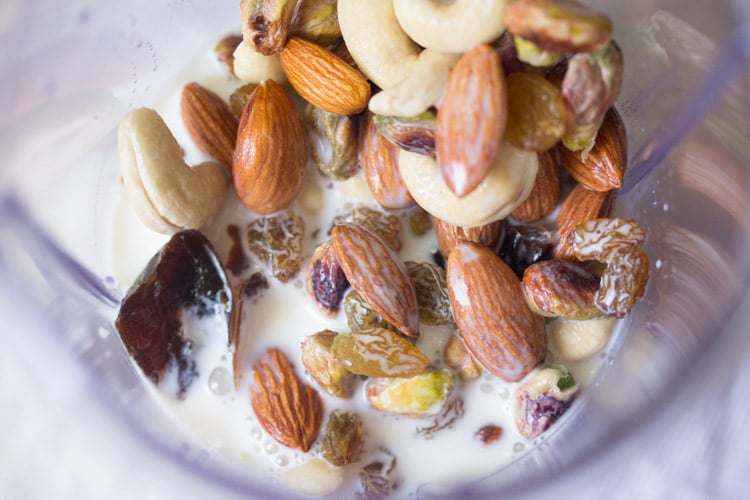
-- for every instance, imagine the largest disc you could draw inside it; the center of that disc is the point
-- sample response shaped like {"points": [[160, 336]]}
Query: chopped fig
{"points": [[489, 433], [186, 275]]}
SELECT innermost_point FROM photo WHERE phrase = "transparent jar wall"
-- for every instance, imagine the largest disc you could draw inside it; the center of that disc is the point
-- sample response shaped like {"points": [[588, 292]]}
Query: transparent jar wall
{"points": [[70, 71]]}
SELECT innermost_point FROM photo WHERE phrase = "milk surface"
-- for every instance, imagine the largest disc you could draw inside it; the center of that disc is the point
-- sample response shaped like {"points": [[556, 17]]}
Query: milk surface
{"points": [[219, 414]]}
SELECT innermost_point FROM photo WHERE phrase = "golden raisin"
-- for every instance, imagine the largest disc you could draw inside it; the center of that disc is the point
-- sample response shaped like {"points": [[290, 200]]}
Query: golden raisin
{"points": [[536, 112]]}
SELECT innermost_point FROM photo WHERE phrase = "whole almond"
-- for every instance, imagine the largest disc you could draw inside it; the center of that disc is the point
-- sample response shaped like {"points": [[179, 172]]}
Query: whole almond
{"points": [[378, 274], [270, 157], [379, 160], [491, 313], [287, 408], [580, 205], [602, 168], [545, 194], [471, 119], [448, 235], [210, 122], [323, 79]]}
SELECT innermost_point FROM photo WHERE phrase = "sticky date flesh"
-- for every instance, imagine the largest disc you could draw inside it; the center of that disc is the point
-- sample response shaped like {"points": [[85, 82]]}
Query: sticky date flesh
{"points": [[185, 274]]}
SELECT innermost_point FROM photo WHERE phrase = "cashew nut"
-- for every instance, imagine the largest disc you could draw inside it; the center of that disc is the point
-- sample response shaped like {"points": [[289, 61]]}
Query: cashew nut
{"points": [[253, 67], [422, 88], [376, 42], [452, 26], [507, 184], [576, 340], [166, 194]]}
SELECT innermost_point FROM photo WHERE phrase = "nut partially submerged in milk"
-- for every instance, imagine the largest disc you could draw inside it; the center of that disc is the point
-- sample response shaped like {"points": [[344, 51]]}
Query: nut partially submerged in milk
{"points": [[354, 355]]}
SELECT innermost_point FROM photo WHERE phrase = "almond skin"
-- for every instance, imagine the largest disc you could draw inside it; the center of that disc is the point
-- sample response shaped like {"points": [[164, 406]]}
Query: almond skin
{"points": [[471, 119], [323, 79], [378, 274], [580, 205], [287, 408], [210, 122], [546, 191], [379, 160], [491, 313], [270, 157], [448, 235], [602, 168]]}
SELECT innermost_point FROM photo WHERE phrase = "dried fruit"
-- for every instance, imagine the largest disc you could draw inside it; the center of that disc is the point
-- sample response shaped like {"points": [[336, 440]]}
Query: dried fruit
{"points": [[489, 433], [378, 274], [602, 167], [448, 235], [277, 241], [378, 352], [377, 477], [323, 79], [623, 282], [418, 396], [471, 120], [323, 365], [186, 275], [237, 260], [450, 414], [270, 158], [334, 142], [458, 357], [523, 245], [266, 23], [545, 194], [387, 226], [359, 314], [410, 133], [432, 293], [562, 26], [561, 288], [580, 205], [326, 281], [599, 239], [590, 87], [379, 160], [342, 439], [420, 222], [317, 21], [238, 99], [493, 319], [287, 408], [543, 398], [536, 112]]}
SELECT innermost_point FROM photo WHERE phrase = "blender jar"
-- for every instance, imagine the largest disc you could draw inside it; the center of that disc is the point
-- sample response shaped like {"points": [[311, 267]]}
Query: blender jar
{"points": [[70, 71]]}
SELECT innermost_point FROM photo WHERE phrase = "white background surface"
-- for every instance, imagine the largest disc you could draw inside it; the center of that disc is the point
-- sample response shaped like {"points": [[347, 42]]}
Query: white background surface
{"points": [[59, 440]]}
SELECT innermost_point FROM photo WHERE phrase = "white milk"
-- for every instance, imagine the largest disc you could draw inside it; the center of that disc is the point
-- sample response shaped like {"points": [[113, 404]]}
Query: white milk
{"points": [[221, 418]]}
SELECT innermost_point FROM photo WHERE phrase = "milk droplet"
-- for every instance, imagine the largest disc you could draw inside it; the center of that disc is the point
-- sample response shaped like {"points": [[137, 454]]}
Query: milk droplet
{"points": [[281, 460], [519, 447], [486, 388], [270, 447], [220, 381]]}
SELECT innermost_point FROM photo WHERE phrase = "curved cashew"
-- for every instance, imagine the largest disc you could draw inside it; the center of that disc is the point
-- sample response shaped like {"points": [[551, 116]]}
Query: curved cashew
{"points": [[253, 67], [376, 42], [422, 88], [453, 26], [166, 194], [507, 184]]}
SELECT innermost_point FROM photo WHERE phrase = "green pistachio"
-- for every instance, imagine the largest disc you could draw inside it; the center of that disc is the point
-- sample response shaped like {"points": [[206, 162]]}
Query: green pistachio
{"points": [[415, 134], [333, 141], [419, 396], [318, 22]]}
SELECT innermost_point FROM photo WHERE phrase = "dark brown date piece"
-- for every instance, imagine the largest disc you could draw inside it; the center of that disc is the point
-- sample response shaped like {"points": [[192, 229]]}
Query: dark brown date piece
{"points": [[185, 274]]}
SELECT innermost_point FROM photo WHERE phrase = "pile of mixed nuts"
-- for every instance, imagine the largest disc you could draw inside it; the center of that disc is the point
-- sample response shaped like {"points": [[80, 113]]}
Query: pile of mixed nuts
{"points": [[490, 123]]}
